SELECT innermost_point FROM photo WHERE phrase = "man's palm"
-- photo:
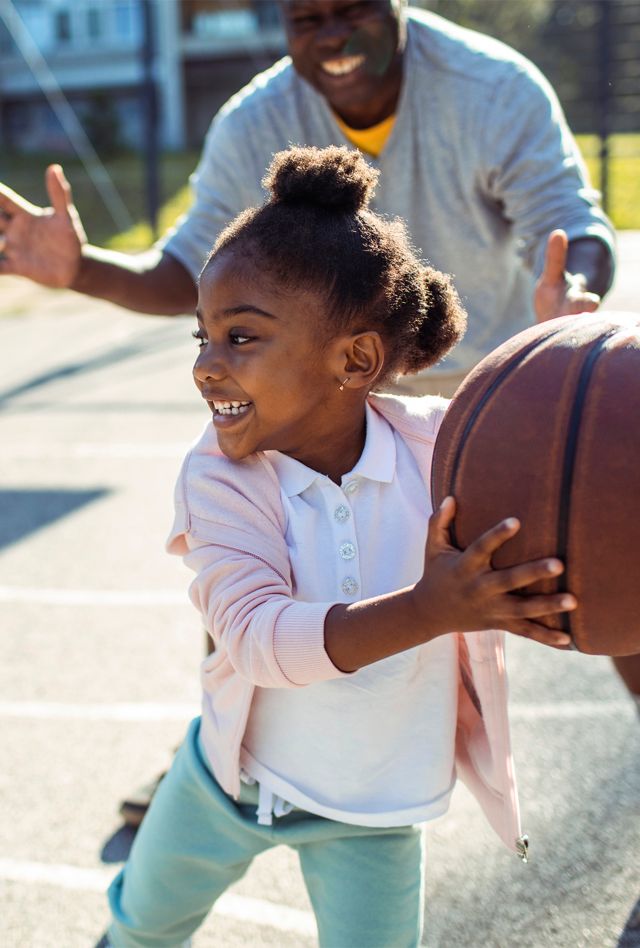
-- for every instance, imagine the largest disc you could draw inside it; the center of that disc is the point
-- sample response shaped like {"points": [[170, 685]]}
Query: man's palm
{"points": [[557, 292], [43, 244]]}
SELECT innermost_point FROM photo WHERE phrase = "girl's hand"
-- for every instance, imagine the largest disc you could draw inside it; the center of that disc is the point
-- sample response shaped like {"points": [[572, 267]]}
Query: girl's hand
{"points": [[462, 592]]}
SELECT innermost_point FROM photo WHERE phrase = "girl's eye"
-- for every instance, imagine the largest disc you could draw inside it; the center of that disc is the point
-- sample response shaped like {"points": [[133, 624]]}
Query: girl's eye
{"points": [[199, 337], [238, 339]]}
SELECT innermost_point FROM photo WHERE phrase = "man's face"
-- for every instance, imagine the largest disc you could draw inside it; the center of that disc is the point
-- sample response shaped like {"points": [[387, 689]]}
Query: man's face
{"points": [[350, 51]]}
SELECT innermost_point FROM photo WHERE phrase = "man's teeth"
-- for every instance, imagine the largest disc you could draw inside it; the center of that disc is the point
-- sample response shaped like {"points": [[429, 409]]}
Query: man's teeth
{"points": [[340, 67], [230, 408]]}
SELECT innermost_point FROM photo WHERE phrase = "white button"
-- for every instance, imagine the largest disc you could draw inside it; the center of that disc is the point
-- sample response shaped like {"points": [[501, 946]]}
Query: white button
{"points": [[349, 586], [351, 487], [347, 550], [342, 513]]}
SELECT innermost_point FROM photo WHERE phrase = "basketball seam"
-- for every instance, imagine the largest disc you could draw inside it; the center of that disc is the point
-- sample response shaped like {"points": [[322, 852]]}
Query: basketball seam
{"points": [[568, 468], [506, 371]]}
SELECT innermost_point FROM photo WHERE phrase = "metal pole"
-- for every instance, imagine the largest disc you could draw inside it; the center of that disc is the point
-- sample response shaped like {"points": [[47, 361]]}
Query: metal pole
{"points": [[605, 96], [149, 98]]}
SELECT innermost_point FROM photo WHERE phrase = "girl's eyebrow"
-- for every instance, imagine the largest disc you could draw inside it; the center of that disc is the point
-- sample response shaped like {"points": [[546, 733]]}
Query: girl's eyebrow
{"points": [[238, 310], [247, 308]]}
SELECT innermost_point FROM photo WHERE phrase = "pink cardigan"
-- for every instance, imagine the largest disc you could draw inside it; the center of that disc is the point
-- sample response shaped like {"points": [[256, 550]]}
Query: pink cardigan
{"points": [[229, 527]]}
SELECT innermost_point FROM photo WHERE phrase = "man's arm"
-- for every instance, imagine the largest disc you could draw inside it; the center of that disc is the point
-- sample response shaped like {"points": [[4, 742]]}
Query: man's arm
{"points": [[152, 282], [576, 276], [49, 246]]}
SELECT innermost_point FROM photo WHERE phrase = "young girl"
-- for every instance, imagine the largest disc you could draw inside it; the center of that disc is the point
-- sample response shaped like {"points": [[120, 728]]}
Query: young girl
{"points": [[338, 709]]}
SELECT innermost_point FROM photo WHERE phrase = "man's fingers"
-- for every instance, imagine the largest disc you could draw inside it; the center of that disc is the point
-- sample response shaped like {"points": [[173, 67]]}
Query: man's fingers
{"points": [[555, 260], [11, 202], [58, 189], [581, 301]]}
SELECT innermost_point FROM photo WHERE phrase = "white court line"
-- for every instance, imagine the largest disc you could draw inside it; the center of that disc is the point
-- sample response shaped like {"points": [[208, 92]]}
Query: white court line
{"points": [[122, 711], [151, 711], [93, 449], [567, 710], [239, 907], [93, 597]]}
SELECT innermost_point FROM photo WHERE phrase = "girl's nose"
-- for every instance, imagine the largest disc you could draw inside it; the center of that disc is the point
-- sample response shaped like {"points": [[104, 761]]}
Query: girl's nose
{"points": [[208, 366]]}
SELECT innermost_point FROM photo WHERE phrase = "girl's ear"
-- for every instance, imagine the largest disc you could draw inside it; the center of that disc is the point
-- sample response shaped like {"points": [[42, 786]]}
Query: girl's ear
{"points": [[362, 358]]}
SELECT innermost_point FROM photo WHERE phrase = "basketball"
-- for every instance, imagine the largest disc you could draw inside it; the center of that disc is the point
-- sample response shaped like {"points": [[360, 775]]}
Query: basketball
{"points": [[547, 429]]}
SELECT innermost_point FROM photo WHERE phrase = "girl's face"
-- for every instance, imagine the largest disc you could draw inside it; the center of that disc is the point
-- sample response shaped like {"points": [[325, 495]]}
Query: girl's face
{"points": [[268, 380]]}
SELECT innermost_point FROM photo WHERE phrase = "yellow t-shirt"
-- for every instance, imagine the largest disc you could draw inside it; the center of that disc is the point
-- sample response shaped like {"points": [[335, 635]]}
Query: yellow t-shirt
{"points": [[370, 140]]}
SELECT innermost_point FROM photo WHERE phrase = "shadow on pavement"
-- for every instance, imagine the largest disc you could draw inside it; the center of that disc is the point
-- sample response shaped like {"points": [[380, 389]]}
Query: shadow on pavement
{"points": [[117, 847], [24, 511], [630, 937], [142, 345]]}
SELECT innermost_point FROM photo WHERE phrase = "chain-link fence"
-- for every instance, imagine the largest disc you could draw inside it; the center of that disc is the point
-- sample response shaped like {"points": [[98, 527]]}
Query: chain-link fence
{"points": [[590, 52]]}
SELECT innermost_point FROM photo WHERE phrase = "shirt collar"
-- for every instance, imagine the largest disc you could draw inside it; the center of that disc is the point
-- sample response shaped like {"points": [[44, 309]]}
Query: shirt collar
{"points": [[377, 461]]}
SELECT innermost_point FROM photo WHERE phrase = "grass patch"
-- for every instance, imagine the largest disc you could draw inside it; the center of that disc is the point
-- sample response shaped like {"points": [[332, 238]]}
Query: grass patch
{"points": [[24, 173], [623, 176]]}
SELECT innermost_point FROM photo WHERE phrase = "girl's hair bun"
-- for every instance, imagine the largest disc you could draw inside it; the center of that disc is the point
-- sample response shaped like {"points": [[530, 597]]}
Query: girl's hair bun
{"points": [[333, 177]]}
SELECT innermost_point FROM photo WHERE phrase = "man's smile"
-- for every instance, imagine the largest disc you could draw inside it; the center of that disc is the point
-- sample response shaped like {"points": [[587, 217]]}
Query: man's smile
{"points": [[342, 66]]}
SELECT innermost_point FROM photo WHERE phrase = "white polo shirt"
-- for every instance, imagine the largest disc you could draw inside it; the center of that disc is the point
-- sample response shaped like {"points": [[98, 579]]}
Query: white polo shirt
{"points": [[375, 748]]}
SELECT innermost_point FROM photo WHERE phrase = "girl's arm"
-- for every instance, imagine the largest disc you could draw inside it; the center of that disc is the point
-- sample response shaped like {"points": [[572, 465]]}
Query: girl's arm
{"points": [[458, 592]]}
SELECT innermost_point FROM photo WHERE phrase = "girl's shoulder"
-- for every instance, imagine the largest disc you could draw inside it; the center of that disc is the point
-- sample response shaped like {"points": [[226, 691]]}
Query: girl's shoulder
{"points": [[231, 503], [415, 418], [207, 472]]}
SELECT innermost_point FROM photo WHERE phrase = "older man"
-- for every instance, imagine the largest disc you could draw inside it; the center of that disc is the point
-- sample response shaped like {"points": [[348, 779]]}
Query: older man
{"points": [[473, 150]]}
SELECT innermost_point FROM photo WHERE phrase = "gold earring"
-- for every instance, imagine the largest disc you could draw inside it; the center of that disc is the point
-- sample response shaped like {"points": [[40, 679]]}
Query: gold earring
{"points": [[342, 384]]}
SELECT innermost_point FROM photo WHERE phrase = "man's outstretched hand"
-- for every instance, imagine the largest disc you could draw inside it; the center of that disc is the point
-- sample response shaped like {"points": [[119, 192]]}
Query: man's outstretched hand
{"points": [[559, 293], [41, 243]]}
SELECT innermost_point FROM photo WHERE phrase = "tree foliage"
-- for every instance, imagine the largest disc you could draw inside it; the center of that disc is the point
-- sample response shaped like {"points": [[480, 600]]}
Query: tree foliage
{"points": [[513, 21]]}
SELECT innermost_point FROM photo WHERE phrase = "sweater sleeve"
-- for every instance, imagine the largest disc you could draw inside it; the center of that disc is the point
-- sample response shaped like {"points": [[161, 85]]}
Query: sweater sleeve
{"points": [[222, 186], [532, 167], [229, 529]]}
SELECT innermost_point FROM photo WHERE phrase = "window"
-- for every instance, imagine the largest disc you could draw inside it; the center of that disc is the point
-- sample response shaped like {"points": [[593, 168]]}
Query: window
{"points": [[94, 23], [62, 26]]}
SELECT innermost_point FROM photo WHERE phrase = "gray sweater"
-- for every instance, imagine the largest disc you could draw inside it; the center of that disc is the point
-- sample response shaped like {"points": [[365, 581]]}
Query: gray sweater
{"points": [[480, 164]]}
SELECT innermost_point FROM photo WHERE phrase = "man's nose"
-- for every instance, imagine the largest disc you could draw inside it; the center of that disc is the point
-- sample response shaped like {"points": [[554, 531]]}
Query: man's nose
{"points": [[334, 33]]}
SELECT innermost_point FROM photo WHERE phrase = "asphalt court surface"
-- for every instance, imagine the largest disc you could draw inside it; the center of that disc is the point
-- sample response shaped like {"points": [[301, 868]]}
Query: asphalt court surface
{"points": [[99, 655]]}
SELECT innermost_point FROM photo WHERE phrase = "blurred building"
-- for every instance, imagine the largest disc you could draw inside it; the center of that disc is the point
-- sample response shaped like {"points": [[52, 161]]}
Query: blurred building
{"points": [[92, 52]]}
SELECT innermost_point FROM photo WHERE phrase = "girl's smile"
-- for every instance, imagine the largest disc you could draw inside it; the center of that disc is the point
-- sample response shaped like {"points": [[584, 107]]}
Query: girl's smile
{"points": [[269, 380]]}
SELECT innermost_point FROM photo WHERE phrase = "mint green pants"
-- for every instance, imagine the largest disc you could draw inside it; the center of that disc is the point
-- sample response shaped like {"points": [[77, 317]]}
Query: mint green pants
{"points": [[365, 885]]}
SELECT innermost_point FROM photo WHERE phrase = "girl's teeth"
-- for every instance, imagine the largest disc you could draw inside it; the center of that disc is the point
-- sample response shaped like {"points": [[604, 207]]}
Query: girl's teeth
{"points": [[230, 408]]}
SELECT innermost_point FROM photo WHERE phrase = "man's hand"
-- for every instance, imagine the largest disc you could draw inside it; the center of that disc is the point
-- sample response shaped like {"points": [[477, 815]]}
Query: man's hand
{"points": [[559, 293], [41, 243]]}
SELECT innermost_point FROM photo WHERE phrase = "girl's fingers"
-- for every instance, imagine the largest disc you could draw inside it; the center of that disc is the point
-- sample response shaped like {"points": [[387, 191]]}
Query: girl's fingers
{"points": [[439, 523], [543, 635], [482, 549], [523, 575], [532, 607]]}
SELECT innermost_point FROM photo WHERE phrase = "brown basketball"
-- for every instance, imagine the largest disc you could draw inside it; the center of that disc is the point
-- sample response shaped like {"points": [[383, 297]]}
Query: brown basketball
{"points": [[547, 429]]}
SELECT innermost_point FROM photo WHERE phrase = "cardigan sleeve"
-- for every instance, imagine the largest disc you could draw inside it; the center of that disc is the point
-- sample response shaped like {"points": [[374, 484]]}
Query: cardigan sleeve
{"points": [[229, 529], [270, 639]]}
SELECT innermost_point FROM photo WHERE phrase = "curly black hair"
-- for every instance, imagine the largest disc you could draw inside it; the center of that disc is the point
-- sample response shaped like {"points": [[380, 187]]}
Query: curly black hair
{"points": [[316, 232]]}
